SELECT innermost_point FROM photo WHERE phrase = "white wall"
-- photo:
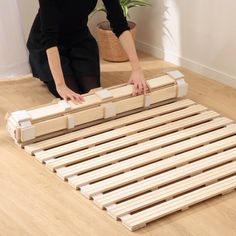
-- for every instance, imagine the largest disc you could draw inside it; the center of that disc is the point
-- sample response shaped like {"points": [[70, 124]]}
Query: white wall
{"points": [[197, 34], [28, 10], [13, 54]]}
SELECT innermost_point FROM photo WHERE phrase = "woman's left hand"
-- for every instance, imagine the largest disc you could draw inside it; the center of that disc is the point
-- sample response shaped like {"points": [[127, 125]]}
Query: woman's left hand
{"points": [[140, 84]]}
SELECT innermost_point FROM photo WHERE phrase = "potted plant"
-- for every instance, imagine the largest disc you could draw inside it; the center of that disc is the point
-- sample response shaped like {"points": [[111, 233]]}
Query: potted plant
{"points": [[109, 45]]}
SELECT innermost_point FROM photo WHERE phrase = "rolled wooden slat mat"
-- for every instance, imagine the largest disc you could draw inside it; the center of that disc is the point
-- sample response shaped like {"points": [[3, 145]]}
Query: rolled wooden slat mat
{"points": [[100, 104]]}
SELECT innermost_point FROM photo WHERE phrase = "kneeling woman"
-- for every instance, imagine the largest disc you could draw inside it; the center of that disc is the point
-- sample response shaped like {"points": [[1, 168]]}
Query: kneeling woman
{"points": [[64, 54]]}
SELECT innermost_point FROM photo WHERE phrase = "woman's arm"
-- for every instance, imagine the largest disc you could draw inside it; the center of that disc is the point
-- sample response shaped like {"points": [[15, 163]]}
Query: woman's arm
{"points": [[56, 70], [137, 77], [49, 18], [120, 27]]}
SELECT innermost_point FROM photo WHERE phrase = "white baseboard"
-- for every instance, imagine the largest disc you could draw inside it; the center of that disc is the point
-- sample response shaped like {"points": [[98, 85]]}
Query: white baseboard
{"points": [[13, 71], [209, 72]]}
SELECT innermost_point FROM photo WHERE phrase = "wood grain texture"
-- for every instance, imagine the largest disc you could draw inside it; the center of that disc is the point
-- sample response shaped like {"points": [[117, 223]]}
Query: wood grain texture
{"points": [[39, 212], [97, 106], [110, 125], [133, 160]]}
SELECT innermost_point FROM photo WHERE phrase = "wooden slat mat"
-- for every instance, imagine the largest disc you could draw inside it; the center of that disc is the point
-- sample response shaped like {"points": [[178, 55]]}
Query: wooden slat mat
{"points": [[147, 165], [100, 105]]}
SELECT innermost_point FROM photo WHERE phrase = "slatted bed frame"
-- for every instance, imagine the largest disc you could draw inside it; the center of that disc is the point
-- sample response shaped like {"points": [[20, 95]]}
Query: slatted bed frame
{"points": [[139, 158]]}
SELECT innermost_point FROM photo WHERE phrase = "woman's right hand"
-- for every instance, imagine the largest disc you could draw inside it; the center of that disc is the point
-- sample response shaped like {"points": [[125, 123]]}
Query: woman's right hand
{"points": [[68, 94]]}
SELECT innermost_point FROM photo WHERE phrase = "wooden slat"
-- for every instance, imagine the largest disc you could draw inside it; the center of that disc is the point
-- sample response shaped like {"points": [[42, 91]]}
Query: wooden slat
{"points": [[140, 173], [132, 139], [97, 113], [60, 123], [136, 102], [154, 168], [143, 166], [109, 125], [154, 84], [170, 191], [96, 122], [156, 181], [130, 163], [45, 111], [135, 221], [53, 118], [120, 132]]}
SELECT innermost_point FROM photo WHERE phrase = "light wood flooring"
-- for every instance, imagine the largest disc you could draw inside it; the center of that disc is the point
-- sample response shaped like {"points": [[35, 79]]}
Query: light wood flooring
{"points": [[33, 201]]}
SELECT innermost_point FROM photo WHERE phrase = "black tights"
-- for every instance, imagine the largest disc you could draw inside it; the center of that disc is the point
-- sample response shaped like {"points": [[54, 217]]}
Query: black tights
{"points": [[83, 85]]}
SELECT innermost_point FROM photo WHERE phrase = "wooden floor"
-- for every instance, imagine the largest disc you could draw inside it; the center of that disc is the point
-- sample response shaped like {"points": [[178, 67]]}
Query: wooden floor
{"points": [[34, 202]]}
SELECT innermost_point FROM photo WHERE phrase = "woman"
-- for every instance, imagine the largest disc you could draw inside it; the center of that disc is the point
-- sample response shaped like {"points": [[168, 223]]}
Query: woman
{"points": [[64, 54]]}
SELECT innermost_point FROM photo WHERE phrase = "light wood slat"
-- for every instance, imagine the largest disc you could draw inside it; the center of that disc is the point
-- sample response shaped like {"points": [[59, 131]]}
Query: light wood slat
{"points": [[120, 155], [138, 220], [51, 126], [113, 87], [136, 102], [154, 168], [56, 119], [153, 83], [170, 191], [103, 127], [60, 123], [132, 139], [91, 114], [156, 181], [90, 99], [160, 82], [146, 171], [120, 132], [45, 111], [97, 113], [92, 123]]}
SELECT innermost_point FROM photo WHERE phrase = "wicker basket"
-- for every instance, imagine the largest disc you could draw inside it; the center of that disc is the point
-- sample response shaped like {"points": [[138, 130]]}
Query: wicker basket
{"points": [[109, 45]]}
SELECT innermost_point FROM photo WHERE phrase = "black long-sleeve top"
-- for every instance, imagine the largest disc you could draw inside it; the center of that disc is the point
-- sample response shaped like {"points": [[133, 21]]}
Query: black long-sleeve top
{"points": [[59, 20]]}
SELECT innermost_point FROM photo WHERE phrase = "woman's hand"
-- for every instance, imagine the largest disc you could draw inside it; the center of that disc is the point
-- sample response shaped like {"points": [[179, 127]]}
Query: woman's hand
{"points": [[137, 77], [140, 84], [55, 67], [68, 94]]}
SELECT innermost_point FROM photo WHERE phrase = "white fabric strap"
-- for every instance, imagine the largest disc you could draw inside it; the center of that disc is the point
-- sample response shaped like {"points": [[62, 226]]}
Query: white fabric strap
{"points": [[71, 122], [147, 100], [182, 85], [27, 131], [65, 105], [104, 94], [175, 74], [20, 116], [28, 134], [182, 88], [109, 110]]}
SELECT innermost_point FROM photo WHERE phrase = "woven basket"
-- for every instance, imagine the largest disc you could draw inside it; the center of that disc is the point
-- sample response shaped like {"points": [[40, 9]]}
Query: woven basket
{"points": [[109, 45]]}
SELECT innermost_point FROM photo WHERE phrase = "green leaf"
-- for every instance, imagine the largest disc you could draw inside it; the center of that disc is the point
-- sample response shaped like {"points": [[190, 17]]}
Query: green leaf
{"points": [[125, 5]]}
